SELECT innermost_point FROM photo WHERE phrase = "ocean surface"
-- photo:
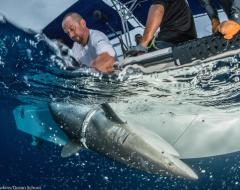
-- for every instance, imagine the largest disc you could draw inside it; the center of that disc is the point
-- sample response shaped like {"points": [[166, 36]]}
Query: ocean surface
{"points": [[32, 72]]}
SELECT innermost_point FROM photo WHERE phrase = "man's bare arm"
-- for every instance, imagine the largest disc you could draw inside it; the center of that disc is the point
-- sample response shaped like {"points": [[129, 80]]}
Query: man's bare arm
{"points": [[104, 63], [154, 20]]}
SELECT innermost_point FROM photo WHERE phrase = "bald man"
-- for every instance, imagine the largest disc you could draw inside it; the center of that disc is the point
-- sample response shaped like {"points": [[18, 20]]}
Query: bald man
{"points": [[91, 47]]}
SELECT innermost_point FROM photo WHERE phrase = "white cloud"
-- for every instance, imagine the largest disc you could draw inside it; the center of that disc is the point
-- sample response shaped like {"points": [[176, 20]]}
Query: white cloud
{"points": [[34, 14]]}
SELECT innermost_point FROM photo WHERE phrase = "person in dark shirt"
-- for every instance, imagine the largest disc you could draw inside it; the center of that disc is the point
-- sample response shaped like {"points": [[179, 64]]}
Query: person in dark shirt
{"points": [[232, 10], [175, 20]]}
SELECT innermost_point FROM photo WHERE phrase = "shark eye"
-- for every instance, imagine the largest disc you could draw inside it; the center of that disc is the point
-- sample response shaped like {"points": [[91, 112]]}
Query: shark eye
{"points": [[170, 164]]}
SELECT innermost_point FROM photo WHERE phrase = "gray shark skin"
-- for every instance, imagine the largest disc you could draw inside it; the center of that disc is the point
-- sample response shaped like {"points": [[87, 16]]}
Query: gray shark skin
{"points": [[101, 130]]}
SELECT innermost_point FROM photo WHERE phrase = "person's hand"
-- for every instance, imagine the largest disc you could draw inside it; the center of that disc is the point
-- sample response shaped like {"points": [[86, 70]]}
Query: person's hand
{"points": [[107, 69], [229, 29], [136, 50], [103, 63], [215, 23], [140, 48]]}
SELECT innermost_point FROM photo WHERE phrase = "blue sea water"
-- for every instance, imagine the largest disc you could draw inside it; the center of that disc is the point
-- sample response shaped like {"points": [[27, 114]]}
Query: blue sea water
{"points": [[30, 73]]}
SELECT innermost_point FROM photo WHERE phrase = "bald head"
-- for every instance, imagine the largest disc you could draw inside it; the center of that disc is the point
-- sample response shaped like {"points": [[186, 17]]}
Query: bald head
{"points": [[75, 27], [73, 16]]}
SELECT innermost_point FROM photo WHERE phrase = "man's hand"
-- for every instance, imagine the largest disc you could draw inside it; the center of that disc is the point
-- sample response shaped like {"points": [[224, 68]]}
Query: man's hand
{"points": [[136, 50], [103, 63], [229, 29], [215, 23]]}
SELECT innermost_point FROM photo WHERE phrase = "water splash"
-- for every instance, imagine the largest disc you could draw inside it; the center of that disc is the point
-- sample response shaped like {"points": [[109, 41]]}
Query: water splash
{"points": [[31, 65]]}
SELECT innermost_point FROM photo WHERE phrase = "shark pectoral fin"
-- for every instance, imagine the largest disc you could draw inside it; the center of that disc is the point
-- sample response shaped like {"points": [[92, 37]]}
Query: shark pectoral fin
{"points": [[70, 148]]}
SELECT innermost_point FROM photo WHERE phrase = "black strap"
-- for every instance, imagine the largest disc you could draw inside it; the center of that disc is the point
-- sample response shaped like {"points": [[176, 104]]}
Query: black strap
{"points": [[204, 48]]}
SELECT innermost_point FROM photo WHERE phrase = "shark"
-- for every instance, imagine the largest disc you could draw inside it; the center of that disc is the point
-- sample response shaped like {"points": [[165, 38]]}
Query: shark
{"points": [[99, 129]]}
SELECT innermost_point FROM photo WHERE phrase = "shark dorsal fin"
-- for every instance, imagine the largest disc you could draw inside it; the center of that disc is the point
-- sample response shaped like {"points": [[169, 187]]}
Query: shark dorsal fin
{"points": [[110, 114]]}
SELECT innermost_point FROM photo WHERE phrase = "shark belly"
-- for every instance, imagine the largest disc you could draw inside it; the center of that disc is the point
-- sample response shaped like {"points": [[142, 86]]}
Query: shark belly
{"points": [[193, 130]]}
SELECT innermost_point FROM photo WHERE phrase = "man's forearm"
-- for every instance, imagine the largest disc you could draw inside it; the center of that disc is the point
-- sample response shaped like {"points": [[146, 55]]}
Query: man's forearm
{"points": [[235, 11], [154, 20], [210, 9]]}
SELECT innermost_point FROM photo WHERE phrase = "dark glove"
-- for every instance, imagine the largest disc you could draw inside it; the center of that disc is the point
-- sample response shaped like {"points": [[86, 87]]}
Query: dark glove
{"points": [[136, 50]]}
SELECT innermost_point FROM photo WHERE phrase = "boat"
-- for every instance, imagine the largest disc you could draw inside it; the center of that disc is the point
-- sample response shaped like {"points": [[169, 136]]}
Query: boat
{"points": [[195, 52]]}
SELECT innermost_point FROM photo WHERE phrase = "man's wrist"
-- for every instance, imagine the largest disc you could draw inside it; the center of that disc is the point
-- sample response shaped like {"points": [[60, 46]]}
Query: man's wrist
{"points": [[143, 44]]}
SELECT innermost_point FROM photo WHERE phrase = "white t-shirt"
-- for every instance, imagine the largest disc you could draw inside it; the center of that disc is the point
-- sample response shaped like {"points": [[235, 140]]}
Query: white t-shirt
{"points": [[97, 43]]}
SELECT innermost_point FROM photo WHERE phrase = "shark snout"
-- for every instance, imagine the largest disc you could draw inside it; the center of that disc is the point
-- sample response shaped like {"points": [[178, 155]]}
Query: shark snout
{"points": [[152, 159]]}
